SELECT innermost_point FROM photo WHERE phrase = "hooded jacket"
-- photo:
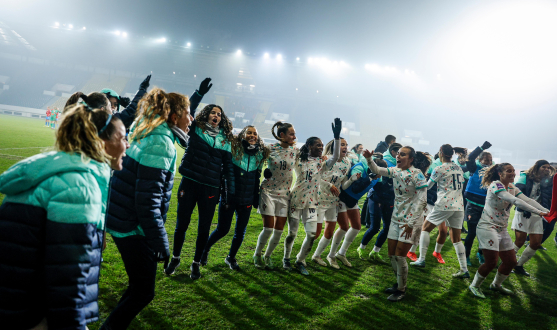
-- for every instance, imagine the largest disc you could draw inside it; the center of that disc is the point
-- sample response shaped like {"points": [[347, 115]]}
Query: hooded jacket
{"points": [[383, 191], [247, 173], [381, 147], [206, 159], [51, 234], [475, 193], [127, 116]]}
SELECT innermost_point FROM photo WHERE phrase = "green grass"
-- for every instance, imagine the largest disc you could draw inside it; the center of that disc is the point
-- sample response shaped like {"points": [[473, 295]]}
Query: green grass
{"points": [[344, 299]]}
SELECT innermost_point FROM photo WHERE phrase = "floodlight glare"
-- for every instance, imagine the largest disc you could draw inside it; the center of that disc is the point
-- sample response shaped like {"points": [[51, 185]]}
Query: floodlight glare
{"points": [[124, 34], [117, 33], [310, 60], [239, 84], [161, 40], [251, 85], [56, 24], [266, 55], [297, 58], [70, 26], [188, 44], [84, 28], [239, 52], [279, 57]]}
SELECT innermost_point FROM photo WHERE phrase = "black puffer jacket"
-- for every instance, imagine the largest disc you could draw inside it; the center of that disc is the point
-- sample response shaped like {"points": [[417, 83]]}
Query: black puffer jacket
{"points": [[247, 174], [207, 158], [525, 184]]}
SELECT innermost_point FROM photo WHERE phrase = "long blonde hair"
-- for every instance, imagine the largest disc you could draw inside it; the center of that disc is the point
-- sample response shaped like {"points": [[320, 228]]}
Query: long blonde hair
{"points": [[155, 108], [79, 132]]}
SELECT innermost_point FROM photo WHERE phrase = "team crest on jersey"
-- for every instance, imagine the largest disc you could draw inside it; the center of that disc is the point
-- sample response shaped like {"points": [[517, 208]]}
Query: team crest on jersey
{"points": [[407, 180], [491, 242], [421, 176], [344, 171]]}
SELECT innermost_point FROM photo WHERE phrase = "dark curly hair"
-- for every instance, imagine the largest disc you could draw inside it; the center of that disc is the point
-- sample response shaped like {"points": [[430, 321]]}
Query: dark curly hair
{"points": [[238, 148], [304, 150], [203, 116]]}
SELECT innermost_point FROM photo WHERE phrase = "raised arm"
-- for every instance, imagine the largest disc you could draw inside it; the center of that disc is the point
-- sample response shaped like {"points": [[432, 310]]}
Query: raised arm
{"points": [[532, 203], [127, 116], [523, 202], [337, 127], [197, 96], [471, 163], [373, 167]]}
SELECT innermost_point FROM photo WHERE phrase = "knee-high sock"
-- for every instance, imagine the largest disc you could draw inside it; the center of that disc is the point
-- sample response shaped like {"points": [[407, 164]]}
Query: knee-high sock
{"points": [[526, 255], [293, 225], [323, 243], [478, 280], [516, 248], [262, 240], [311, 230], [348, 239], [438, 247], [424, 244], [499, 279], [414, 248], [337, 238], [461, 255], [394, 264], [273, 242], [401, 272]]}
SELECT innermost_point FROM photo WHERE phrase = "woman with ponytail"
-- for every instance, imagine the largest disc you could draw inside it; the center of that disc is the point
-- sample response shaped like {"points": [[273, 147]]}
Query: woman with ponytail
{"points": [[448, 207], [304, 201], [248, 155], [207, 159], [328, 210], [52, 224], [140, 196], [275, 192], [493, 236], [410, 201]]}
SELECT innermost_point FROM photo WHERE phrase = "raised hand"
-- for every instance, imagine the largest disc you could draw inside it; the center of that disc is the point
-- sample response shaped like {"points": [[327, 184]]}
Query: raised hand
{"points": [[367, 153], [145, 83], [205, 86], [337, 127], [486, 145]]}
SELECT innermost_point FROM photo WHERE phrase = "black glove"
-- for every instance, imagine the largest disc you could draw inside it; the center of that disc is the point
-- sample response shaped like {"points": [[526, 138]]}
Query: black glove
{"points": [[204, 87], [486, 145], [145, 83], [256, 202], [124, 101], [267, 173], [527, 214], [337, 127], [162, 256]]}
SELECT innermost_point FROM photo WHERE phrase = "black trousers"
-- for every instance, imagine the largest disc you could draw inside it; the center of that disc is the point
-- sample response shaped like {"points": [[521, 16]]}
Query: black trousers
{"points": [[472, 214], [141, 267], [225, 222], [190, 194]]}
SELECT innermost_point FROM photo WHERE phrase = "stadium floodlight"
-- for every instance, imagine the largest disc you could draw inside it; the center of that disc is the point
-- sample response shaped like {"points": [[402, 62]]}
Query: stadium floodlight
{"points": [[162, 40], [117, 32], [251, 85], [56, 24], [239, 52], [124, 34], [310, 60], [70, 26], [279, 57], [84, 28], [188, 44], [296, 88], [266, 55], [239, 84], [317, 91], [297, 58]]}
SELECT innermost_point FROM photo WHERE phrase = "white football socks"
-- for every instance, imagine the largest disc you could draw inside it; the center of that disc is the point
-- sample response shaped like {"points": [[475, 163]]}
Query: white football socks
{"points": [[499, 279], [402, 272], [414, 248], [438, 247], [348, 239], [526, 255], [424, 244], [337, 239], [461, 255], [293, 225], [478, 280], [273, 242], [323, 243], [262, 240]]}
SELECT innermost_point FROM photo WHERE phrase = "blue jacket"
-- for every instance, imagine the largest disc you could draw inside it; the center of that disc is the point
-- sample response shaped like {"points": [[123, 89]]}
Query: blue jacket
{"points": [[381, 147], [247, 173], [475, 193], [140, 193], [51, 234], [384, 191], [206, 159], [360, 187]]}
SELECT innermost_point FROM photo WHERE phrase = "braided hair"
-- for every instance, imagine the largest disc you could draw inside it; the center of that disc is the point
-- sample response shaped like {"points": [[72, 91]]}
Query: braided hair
{"points": [[304, 150]]}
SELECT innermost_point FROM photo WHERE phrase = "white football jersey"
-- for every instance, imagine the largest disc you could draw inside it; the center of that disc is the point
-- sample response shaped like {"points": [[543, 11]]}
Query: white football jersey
{"points": [[496, 210], [406, 184], [306, 188], [281, 164], [449, 178], [336, 177]]}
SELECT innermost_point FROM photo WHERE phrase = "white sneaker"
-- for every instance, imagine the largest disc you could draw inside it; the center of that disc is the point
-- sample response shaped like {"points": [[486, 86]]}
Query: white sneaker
{"points": [[333, 262], [343, 260], [319, 261]]}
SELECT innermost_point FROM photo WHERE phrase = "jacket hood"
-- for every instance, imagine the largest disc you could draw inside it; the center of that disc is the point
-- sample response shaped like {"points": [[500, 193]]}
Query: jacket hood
{"points": [[111, 93], [30, 172], [388, 157]]}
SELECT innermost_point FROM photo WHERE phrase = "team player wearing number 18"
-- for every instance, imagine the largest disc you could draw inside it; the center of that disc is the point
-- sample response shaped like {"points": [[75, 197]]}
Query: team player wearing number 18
{"points": [[448, 207], [410, 201], [304, 197], [275, 192]]}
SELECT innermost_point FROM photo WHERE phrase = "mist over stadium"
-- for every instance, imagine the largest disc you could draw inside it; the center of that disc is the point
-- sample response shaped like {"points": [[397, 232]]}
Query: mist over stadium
{"points": [[428, 72]]}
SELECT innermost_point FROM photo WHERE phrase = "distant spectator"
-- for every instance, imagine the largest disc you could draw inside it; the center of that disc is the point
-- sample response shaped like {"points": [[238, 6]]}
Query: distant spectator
{"points": [[384, 145]]}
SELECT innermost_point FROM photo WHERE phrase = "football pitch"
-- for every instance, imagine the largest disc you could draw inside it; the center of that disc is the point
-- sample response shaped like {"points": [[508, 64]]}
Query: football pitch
{"points": [[349, 298]]}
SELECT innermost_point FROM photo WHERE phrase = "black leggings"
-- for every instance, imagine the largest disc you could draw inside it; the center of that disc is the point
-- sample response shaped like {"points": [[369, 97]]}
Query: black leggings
{"points": [[225, 221], [472, 214], [191, 193]]}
